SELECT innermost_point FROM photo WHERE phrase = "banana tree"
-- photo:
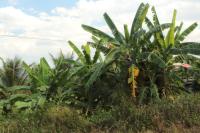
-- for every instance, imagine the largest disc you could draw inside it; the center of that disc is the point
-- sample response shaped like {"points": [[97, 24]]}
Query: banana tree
{"points": [[173, 40], [146, 49], [64, 75], [47, 80], [40, 74], [165, 51], [131, 46], [85, 64], [20, 98], [89, 78], [84, 57]]}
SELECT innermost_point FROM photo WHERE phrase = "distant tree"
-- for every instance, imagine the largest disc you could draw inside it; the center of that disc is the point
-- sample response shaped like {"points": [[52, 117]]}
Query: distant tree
{"points": [[12, 73]]}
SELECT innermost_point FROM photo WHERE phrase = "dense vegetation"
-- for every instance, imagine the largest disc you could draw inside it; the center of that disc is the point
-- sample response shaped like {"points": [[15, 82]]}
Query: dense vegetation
{"points": [[124, 82]]}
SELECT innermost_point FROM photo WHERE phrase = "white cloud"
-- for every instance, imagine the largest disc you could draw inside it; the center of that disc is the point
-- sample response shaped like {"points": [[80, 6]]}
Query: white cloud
{"points": [[13, 2], [65, 23]]}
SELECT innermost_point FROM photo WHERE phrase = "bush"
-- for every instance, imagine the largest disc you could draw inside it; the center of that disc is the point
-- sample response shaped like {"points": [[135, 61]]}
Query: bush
{"points": [[55, 119], [168, 115], [161, 116], [102, 118], [65, 119]]}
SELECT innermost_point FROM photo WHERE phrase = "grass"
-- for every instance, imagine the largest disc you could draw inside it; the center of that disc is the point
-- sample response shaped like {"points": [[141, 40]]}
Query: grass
{"points": [[168, 115]]}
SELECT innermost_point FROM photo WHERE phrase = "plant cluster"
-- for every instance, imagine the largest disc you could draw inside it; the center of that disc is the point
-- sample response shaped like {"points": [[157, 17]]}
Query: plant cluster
{"points": [[137, 64]]}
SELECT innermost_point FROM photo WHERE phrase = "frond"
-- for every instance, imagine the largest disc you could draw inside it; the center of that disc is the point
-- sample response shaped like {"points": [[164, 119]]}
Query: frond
{"points": [[186, 32], [159, 35], [96, 56], [178, 31], [77, 51], [170, 39], [95, 75], [139, 18], [99, 47], [149, 23], [155, 59], [156, 29], [118, 36], [139, 11], [98, 33], [86, 52], [126, 33]]}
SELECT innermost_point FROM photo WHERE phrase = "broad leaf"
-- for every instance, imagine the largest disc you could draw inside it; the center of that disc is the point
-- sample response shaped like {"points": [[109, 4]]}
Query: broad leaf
{"points": [[186, 32], [98, 33], [118, 36], [77, 51], [170, 39]]}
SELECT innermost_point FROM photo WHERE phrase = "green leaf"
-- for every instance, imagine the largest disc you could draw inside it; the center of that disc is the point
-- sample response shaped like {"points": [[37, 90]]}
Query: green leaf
{"points": [[155, 17], [98, 33], [191, 48], [101, 67], [139, 18], [142, 16], [22, 105], [149, 23], [188, 44], [139, 33], [41, 102], [170, 39], [188, 50], [118, 36], [143, 92], [139, 11], [100, 58], [154, 92], [96, 56], [77, 51], [2, 94], [76, 71], [42, 88], [111, 56], [159, 35], [126, 33], [156, 29], [17, 97], [32, 74], [87, 49], [178, 31], [96, 40], [44, 70], [99, 47], [186, 32], [95, 75], [17, 88], [2, 103], [154, 58], [86, 52]]}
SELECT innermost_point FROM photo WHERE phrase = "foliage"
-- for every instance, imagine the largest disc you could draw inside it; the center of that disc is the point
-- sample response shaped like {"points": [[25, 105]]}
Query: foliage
{"points": [[116, 81], [166, 116], [12, 73], [149, 50]]}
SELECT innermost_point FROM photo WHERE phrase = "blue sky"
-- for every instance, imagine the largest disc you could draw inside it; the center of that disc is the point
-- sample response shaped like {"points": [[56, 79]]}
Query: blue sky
{"points": [[62, 19], [39, 5]]}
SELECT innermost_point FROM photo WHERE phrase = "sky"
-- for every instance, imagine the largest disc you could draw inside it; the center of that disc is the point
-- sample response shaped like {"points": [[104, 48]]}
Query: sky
{"points": [[49, 24]]}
